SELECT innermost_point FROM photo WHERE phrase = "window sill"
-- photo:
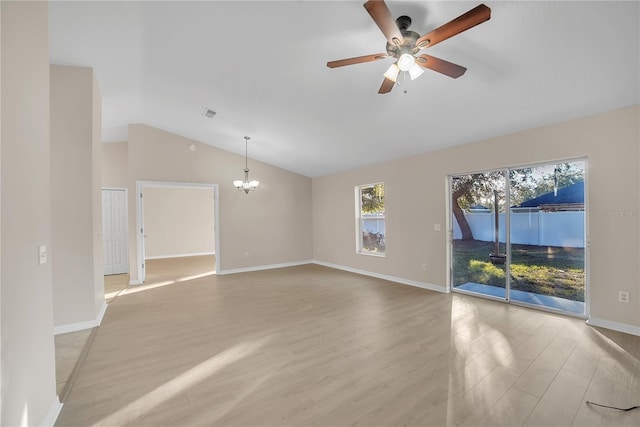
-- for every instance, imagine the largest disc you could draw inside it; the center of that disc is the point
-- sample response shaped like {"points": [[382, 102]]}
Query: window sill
{"points": [[378, 255]]}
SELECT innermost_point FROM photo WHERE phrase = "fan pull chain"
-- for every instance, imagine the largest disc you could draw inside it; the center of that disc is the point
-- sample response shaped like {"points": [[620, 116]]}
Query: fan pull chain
{"points": [[402, 81]]}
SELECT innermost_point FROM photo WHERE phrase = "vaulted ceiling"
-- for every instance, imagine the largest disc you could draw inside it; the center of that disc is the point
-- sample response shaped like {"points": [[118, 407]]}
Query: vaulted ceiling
{"points": [[262, 67]]}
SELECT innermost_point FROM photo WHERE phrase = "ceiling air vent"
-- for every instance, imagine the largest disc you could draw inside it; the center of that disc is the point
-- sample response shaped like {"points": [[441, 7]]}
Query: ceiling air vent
{"points": [[208, 113]]}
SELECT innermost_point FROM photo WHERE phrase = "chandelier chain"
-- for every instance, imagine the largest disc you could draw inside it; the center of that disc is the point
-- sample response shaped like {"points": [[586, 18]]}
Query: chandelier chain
{"points": [[246, 185]]}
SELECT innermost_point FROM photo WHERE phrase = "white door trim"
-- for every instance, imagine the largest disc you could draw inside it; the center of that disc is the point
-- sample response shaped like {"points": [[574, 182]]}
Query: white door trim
{"points": [[140, 185]]}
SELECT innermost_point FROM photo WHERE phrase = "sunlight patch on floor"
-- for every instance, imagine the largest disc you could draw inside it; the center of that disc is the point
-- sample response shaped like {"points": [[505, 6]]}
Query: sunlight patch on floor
{"points": [[147, 286], [110, 295], [196, 276], [139, 288], [182, 382], [247, 390]]}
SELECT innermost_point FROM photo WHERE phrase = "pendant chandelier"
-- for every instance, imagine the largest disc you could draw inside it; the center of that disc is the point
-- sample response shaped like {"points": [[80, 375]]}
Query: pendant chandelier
{"points": [[246, 185]]}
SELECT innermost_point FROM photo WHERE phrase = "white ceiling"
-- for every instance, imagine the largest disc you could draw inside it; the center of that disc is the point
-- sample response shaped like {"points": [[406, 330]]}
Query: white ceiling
{"points": [[262, 67]]}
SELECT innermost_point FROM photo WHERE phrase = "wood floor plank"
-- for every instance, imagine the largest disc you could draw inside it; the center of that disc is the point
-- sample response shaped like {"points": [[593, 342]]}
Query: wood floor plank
{"points": [[561, 403], [512, 409]]}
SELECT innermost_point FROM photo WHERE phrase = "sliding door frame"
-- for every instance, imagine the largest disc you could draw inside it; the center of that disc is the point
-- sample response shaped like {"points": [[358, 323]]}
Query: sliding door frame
{"points": [[507, 299]]}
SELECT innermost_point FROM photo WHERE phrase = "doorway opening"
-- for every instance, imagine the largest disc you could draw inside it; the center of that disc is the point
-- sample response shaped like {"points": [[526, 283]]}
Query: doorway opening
{"points": [[176, 230], [519, 235]]}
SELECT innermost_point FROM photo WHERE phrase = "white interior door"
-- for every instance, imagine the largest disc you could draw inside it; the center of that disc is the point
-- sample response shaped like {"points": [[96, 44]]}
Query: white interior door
{"points": [[106, 232], [114, 231]]}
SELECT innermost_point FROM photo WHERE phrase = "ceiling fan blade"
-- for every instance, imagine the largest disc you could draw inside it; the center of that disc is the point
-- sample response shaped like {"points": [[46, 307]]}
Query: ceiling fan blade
{"points": [[440, 65], [356, 60], [382, 17], [475, 16], [387, 85]]}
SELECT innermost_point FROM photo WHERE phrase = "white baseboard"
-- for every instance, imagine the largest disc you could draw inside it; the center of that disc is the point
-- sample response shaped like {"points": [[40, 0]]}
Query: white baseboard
{"points": [[179, 255], [263, 267], [401, 280], [52, 415], [616, 326], [80, 326]]}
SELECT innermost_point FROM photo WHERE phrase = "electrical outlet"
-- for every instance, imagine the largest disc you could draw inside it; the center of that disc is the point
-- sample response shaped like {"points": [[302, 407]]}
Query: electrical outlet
{"points": [[42, 254], [424, 265], [623, 296], [246, 255], [436, 227]]}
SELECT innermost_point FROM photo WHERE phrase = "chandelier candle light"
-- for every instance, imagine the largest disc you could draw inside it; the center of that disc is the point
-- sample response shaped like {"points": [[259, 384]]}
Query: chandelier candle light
{"points": [[246, 185]]}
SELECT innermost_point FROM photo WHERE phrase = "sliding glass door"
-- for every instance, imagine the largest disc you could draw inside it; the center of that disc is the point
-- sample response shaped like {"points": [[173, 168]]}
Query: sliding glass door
{"points": [[532, 253], [478, 247], [547, 233]]}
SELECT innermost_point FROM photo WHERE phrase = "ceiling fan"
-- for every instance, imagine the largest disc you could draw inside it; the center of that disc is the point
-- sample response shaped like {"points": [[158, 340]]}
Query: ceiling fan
{"points": [[404, 45]]}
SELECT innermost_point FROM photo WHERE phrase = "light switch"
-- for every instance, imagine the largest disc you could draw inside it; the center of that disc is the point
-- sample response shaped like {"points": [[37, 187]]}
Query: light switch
{"points": [[42, 254], [436, 227]]}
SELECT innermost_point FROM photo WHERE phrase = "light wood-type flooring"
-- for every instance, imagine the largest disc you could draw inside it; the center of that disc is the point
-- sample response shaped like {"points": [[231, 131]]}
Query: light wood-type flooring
{"points": [[71, 347], [311, 345]]}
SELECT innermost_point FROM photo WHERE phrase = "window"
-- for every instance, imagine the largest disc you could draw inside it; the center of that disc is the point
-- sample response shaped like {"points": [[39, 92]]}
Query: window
{"points": [[370, 229]]}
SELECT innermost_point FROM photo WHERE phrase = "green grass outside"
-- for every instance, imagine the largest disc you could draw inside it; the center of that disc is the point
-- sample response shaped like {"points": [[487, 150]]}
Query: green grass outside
{"points": [[545, 270]]}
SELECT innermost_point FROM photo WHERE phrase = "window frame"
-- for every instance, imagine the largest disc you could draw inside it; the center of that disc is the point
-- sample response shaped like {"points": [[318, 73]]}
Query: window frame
{"points": [[360, 217]]}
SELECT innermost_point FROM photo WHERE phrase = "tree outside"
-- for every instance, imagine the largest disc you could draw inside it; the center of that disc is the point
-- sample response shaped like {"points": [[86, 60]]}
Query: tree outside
{"points": [[524, 184], [373, 199]]}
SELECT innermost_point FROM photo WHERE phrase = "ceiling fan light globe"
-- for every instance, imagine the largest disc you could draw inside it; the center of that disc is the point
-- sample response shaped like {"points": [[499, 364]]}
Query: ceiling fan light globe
{"points": [[415, 71], [406, 61], [392, 73]]}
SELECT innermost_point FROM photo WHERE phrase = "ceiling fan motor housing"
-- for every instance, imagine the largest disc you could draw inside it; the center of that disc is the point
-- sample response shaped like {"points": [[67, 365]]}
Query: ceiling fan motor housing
{"points": [[408, 46], [403, 22]]}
